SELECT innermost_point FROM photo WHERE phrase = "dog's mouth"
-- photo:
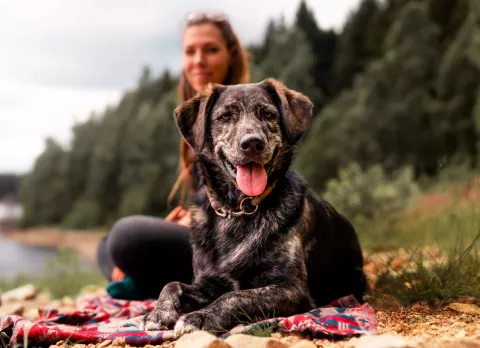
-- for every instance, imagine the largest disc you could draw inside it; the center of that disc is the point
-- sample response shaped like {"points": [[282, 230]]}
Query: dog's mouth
{"points": [[251, 177], [231, 169]]}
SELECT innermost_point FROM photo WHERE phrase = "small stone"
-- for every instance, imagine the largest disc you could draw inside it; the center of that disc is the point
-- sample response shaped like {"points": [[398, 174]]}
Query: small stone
{"points": [[22, 293], [382, 341], [12, 309], [467, 308], [273, 343], [304, 344], [219, 343], [195, 339], [351, 343], [459, 324], [68, 302], [120, 342], [32, 314], [470, 330], [105, 344], [398, 327], [292, 339], [242, 341]]}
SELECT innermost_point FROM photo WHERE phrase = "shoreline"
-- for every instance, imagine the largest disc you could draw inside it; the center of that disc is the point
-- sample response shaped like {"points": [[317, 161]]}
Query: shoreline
{"points": [[84, 242]]}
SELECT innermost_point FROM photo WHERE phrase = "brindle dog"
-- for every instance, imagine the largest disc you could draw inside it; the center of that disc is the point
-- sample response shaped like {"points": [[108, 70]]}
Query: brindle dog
{"points": [[262, 242]]}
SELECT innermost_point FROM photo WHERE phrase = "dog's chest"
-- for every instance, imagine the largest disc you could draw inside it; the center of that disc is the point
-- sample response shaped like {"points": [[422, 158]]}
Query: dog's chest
{"points": [[230, 243], [240, 242]]}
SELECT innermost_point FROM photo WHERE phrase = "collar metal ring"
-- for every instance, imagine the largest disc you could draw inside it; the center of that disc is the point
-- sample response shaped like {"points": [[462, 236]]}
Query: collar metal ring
{"points": [[242, 207]]}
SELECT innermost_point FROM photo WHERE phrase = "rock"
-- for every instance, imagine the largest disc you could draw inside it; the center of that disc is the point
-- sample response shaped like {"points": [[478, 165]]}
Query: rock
{"points": [[273, 343], [219, 343], [12, 309], [119, 342], [197, 339], [383, 341], [32, 314], [352, 342], [304, 344], [290, 339], [22, 293], [67, 301], [105, 344], [248, 341], [467, 308]]}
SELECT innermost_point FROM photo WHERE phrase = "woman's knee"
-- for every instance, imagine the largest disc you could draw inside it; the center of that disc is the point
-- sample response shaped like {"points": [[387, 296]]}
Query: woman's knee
{"points": [[121, 238]]}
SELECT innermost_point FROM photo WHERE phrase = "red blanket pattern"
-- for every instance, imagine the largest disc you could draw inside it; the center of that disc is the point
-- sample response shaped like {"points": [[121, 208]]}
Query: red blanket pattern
{"points": [[97, 319]]}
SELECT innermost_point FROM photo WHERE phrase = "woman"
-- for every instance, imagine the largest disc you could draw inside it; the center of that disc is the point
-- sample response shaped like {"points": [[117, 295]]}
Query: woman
{"points": [[151, 251]]}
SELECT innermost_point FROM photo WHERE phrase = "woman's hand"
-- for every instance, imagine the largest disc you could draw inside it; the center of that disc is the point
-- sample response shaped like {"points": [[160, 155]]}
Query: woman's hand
{"points": [[117, 274], [185, 220], [180, 216]]}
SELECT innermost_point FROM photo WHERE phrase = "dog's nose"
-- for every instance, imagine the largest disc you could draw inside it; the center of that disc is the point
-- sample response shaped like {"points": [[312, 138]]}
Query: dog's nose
{"points": [[252, 143]]}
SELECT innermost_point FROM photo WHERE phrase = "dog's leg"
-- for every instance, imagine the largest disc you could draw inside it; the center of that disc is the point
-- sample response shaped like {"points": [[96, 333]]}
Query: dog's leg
{"points": [[177, 298], [222, 314]]}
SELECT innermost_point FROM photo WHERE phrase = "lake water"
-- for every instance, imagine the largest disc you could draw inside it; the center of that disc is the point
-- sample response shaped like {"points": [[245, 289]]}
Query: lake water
{"points": [[16, 258]]}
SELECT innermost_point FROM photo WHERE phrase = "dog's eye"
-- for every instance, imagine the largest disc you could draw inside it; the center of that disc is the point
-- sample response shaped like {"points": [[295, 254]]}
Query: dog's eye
{"points": [[225, 117], [268, 115]]}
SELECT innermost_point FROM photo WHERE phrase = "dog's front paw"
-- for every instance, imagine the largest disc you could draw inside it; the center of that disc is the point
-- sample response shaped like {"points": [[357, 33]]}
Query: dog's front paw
{"points": [[157, 320], [199, 320]]}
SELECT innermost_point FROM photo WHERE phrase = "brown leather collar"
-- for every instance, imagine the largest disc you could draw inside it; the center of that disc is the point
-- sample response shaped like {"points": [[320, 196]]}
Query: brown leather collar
{"points": [[242, 208]]}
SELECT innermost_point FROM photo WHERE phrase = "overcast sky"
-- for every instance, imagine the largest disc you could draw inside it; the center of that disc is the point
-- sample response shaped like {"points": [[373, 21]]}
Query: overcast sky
{"points": [[61, 59]]}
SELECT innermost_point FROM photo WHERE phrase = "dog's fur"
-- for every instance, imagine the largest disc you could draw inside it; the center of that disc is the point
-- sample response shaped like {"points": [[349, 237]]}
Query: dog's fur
{"points": [[296, 252]]}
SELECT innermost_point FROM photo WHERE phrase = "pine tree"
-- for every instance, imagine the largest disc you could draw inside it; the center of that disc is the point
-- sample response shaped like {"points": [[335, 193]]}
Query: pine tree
{"points": [[355, 46], [44, 191], [291, 66], [387, 116], [323, 45], [457, 83]]}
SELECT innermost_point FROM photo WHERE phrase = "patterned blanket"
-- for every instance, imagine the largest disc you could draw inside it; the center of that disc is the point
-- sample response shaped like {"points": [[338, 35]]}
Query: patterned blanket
{"points": [[97, 319]]}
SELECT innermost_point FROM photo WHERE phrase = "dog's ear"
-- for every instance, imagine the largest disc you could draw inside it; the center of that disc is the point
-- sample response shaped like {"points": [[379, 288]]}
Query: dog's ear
{"points": [[192, 116], [296, 109]]}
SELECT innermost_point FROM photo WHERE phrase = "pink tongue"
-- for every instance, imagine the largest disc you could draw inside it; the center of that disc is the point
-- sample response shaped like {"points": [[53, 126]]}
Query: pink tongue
{"points": [[251, 179]]}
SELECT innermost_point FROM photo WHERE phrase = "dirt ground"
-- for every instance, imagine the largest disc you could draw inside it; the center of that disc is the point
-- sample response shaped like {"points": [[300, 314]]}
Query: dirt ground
{"points": [[451, 325]]}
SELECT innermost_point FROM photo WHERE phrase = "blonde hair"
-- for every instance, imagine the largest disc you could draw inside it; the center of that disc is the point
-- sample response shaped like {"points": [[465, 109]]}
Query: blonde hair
{"points": [[237, 73]]}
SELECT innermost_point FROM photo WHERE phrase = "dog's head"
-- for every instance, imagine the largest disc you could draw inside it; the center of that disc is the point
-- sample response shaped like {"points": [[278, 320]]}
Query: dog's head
{"points": [[245, 129]]}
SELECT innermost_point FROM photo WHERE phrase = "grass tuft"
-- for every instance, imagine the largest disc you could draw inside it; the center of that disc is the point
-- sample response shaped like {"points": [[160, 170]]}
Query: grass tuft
{"points": [[434, 280], [263, 327], [453, 229]]}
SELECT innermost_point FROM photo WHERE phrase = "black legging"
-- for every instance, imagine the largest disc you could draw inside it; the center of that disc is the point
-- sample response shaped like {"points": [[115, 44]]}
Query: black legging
{"points": [[151, 251]]}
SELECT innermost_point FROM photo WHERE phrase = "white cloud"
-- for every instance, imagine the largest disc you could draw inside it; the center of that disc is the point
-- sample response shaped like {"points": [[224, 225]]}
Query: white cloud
{"points": [[62, 59], [48, 111]]}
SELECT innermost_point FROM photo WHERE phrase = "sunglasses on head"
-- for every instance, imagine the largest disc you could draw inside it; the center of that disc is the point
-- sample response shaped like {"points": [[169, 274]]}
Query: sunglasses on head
{"points": [[199, 16]]}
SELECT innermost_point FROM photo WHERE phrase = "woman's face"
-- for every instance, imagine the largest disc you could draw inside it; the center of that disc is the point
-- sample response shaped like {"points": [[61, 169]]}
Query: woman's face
{"points": [[205, 55]]}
